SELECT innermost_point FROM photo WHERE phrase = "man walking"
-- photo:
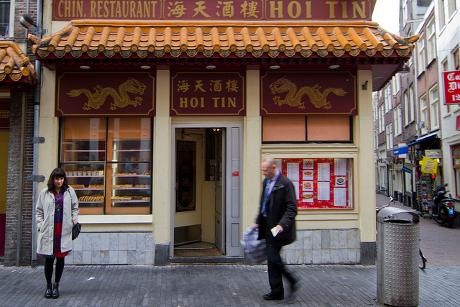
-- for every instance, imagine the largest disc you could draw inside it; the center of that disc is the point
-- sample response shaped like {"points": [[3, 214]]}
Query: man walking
{"points": [[276, 222]]}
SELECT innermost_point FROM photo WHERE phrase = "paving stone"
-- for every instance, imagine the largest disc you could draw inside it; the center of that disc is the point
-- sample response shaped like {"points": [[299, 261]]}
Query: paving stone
{"points": [[208, 285]]}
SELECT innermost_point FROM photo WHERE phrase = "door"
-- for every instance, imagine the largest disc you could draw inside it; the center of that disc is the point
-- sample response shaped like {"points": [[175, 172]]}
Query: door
{"points": [[219, 191], [233, 197], [188, 186]]}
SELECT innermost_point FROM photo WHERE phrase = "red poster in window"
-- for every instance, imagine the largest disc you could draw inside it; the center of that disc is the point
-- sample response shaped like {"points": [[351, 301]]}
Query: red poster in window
{"points": [[320, 183], [452, 86]]}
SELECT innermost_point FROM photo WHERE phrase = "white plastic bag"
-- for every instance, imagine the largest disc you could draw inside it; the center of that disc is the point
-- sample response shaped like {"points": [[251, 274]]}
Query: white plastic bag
{"points": [[254, 249]]}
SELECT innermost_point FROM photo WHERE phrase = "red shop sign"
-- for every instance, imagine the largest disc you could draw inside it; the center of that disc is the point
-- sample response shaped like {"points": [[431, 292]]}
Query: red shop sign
{"points": [[112, 93], [452, 86], [207, 93], [308, 93]]}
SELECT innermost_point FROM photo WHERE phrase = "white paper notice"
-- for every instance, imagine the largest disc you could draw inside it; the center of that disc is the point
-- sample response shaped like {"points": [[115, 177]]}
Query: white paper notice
{"points": [[293, 171], [340, 197], [324, 172], [296, 187], [324, 189], [340, 167]]}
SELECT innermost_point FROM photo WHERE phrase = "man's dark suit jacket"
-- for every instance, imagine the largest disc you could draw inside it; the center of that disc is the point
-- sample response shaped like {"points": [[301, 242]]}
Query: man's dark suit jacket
{"points": [[282, 210]]}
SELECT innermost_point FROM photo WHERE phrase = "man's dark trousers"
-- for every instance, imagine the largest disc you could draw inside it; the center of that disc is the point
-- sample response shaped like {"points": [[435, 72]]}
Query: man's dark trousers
{"points": [[276, 268]]}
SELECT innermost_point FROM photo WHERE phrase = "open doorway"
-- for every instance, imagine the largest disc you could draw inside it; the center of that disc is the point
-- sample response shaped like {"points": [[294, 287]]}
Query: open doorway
{"points": [[199, 217]]}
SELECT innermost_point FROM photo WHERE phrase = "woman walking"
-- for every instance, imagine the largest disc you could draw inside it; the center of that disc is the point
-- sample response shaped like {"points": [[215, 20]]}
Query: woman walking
{"points": [[57, 212]]}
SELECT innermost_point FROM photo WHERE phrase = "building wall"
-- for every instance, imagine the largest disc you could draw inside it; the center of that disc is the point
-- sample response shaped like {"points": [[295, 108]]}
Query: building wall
{"points": [[19, 186], [448, 39]]}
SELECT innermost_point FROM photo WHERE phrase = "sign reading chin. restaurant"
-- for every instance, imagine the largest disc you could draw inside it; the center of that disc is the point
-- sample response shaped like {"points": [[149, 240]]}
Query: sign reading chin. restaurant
{"points": [[212, 9], [452, 87]]}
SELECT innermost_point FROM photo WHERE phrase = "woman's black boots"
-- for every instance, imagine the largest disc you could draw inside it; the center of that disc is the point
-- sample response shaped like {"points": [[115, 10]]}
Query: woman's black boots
{"points": [[55, 293], [49, 291]]}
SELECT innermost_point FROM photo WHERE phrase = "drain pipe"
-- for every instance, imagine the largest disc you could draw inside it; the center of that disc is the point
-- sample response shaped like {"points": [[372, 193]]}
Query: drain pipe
{"points": [[20, 182], [36, 139]]}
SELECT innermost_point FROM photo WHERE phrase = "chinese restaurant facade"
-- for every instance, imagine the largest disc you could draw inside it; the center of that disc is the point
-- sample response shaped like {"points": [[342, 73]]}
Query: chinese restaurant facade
{"points": [[161, 124]]}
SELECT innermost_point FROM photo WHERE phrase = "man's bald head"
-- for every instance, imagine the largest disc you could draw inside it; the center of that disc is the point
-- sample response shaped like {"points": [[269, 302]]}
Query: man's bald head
{"points": [[269, 167]]}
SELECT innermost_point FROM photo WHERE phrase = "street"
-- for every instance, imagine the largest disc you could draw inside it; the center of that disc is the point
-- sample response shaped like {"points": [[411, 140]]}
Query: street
{"points": [[236, 285], [440, 244]]}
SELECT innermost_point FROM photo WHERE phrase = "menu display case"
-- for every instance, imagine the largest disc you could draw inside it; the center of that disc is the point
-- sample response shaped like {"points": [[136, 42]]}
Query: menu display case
{"points": [[109, 168]]}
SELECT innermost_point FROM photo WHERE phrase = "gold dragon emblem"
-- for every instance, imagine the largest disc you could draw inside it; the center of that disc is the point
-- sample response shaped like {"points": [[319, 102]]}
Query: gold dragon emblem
{"points": [[121, 98], [294, 96]]}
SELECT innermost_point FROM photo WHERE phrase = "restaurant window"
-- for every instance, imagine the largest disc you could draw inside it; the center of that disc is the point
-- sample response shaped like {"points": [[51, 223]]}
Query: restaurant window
{"points": [[421, 57], [434, 108], [320, 183], [108, 161], [311, 128], [4, 17]]}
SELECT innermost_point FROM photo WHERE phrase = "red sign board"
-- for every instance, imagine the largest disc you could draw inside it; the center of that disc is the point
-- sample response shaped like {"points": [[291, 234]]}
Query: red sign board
{"points": [[208, 93], [452, 86], [308, 93], [212, 9], [108, 94]]}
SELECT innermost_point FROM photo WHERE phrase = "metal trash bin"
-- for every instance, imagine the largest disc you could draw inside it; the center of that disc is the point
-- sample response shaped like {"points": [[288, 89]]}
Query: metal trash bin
{"points": [[398, 234]]}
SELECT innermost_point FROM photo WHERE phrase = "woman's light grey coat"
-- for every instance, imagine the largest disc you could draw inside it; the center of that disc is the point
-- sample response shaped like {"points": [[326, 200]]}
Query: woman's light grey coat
{"points": [[45, 221]]}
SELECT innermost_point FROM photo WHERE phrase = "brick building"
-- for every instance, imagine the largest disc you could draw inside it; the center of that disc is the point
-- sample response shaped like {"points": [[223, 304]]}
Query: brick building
{"points": [[17, 79]]}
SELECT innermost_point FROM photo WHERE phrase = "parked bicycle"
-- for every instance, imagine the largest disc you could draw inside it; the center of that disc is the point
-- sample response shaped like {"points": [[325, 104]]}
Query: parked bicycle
{"points": [[423, 260]]}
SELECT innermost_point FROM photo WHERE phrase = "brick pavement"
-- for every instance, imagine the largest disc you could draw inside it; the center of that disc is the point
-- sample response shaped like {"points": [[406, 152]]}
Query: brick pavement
{"points": [[440, 244], [207, 285]]}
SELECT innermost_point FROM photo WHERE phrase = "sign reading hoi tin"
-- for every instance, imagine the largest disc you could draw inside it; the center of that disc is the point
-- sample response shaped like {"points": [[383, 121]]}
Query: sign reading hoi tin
{"points": [[452, 86], [308, 93], [212, 9], [105, 94], [207, 93]]}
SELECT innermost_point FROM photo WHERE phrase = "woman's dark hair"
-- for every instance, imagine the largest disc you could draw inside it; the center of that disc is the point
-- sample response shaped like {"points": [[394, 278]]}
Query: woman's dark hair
{"points": [[57, 173]]}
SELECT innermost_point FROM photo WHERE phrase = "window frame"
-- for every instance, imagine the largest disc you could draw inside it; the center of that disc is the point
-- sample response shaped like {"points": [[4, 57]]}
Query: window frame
{"points": [[431, 41], [421, 55], [434, 105], [411, 103], [424, 113], [108, 162], [10, 22]]}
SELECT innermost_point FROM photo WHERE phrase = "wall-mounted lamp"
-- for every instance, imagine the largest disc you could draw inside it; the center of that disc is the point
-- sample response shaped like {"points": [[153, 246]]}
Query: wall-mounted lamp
{"points": [[364, 85], [404, 69]]}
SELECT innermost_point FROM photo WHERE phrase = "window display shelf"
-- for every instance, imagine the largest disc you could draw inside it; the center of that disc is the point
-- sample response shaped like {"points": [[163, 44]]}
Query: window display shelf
{"points": [[131, 150], [129, 201], [89, 189], [82, 161], [127, 176], [85, 176], [90, 202], [84, 150], [133, 188]]}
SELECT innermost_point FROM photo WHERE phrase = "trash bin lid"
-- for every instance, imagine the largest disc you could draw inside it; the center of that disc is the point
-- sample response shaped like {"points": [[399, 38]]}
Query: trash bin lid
{"points": [[397, 215]]}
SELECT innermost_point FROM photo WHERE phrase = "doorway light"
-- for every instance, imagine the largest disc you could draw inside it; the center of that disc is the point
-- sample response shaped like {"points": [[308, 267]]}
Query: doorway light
{"points": [[275, 67], [210, 66], [85, 67]]}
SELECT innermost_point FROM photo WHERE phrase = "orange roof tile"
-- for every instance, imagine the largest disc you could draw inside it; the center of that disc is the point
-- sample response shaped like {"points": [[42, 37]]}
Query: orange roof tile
{"points": [[14, 65], [146, 38]]}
